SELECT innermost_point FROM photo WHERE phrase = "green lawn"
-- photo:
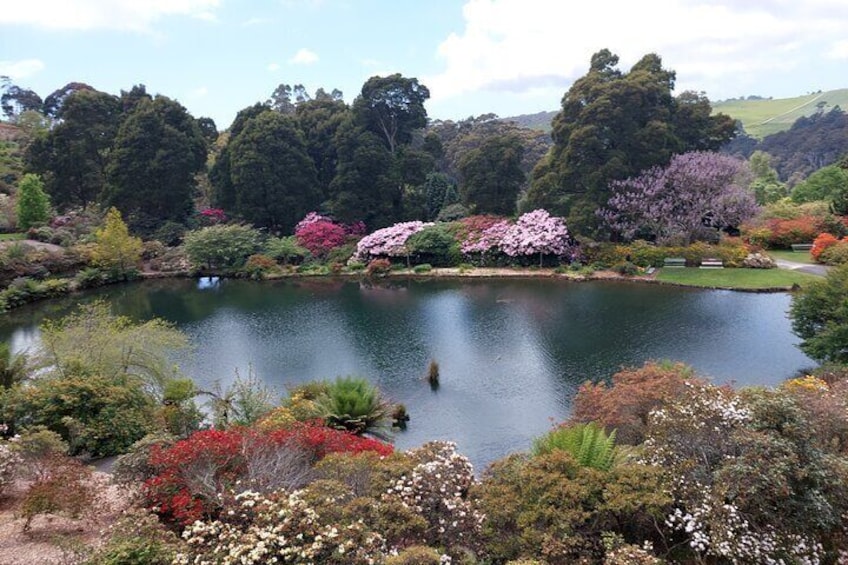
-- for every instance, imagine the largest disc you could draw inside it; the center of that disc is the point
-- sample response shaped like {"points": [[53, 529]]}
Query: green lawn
{"points": [[736, 278], [788, 255], [12, 236]]}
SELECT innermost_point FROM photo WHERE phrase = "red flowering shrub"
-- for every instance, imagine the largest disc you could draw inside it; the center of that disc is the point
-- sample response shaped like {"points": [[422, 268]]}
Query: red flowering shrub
{"points": [[822, 242], [193, 474], [320, 237], [212, 216]]}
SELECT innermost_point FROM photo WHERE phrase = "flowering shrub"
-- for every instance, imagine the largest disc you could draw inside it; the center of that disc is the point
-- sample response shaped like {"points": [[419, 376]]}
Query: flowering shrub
{"points": [[9, 462], [437, 489], [64, 487], [193, 474], [835, 254], [387, 242], [783, 233], [536, 232], [488, 240], [212, 216], [320, 236], [311, 218], [378, 268], [280, 526], [822, 242]]}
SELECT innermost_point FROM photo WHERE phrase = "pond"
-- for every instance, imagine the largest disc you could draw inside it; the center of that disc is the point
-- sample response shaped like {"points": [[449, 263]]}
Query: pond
{"points": [[511, 351]]}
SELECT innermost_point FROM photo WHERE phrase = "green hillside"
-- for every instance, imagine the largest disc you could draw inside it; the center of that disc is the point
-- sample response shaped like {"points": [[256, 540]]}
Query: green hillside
{"points": [[767, 116]]}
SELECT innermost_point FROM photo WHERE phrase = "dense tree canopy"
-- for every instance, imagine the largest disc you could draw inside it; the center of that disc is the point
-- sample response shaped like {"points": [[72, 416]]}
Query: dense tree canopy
{"points": [[74, 155], [820, 317], [157, 152], [613, 125], [273, 178], [392, 107], [492, 175]]}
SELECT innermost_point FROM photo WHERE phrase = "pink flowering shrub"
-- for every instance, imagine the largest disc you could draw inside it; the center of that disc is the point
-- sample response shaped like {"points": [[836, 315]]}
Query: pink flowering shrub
{"points": [[320, 237], [310, 218], [387, 242], [213, 216], [488, 240], [536, 233]]}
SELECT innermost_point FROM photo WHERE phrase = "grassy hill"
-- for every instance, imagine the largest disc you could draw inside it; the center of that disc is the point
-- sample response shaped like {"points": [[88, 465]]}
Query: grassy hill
{"points": [[540, 121], [767, 116]]}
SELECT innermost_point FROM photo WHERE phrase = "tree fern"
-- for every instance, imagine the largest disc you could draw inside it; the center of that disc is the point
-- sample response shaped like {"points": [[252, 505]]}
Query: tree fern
{"points": [[588, 443]]}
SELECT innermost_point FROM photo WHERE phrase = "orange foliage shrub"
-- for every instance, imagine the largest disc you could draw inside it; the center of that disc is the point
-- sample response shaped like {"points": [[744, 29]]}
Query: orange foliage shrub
{"points": [[822, 242], [634, 393]]}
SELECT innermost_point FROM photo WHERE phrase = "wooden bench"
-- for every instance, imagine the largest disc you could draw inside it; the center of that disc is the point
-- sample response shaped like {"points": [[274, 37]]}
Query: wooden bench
{"points": [[712, 264], [798, 247], [674, 262]]}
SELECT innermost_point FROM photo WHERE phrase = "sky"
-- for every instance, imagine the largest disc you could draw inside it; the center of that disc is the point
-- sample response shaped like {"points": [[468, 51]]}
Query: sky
{"points": [[476, 56]]}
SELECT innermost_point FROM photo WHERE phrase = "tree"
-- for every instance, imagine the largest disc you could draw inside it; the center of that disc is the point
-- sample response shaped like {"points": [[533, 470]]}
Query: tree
{"points": [[492, 175], [74, 155], [16, 100], [613, 125], [116, 249], [94, 341], [55, 101], [825, 184], [319, 120], [223, 194], [695, 194], [33, 206], [766, 185], [222, 245], [439, 191], [274, 180], [392, 107], [820, 317], [151, 169]]}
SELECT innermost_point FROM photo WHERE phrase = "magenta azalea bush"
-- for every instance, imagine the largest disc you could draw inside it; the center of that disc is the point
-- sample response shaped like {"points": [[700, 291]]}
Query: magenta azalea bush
{"points": [[387, 242], [311, 218]]}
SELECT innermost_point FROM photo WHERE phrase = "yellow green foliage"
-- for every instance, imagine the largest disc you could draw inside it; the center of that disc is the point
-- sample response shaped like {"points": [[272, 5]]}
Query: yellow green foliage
{"points": [[116, 248]]}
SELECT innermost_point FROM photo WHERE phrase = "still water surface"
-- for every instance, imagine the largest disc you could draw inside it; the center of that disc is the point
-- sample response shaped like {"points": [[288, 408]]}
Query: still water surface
{"points": [[511, 352]]}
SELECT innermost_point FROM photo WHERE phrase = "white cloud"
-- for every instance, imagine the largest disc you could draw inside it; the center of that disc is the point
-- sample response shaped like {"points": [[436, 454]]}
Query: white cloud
{"points": [[199, 92], [255, 22], [839, 50], [304, 57], [273, 67], [135, 15], [519, 46], [16, 70]]}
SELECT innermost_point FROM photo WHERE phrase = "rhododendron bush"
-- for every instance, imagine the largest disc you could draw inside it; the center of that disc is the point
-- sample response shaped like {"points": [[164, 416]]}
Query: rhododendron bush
{"points": [[536, 233], [320, 237], [388, 242], [193, 474]]}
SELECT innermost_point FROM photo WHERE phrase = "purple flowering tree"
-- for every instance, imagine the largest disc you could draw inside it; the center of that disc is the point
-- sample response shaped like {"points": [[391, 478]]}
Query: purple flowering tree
{"points": [[536, 232], [387, 242], [679, 203]]}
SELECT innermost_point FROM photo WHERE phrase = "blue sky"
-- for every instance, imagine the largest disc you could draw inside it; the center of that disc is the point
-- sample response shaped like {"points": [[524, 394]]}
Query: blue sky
{"points": [[476, 56]]}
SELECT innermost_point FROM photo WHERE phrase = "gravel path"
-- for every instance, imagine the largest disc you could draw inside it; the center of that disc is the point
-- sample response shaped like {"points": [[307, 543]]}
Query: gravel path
{"points": [[820, 270]]}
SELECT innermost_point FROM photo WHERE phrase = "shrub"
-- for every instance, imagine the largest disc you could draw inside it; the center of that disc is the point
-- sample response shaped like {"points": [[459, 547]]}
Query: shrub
{"points": [[116, 249], [321, 236], [9, 463], [134, 466], [90, 277], [422, 268], [285, 249], [626, 268], [221, 245], [257, 266], [552, 509], [820, 318], [626, 405], [33, 206], [96, 415], [65, 488], [137, 538], [784, 233], [378, 268], [434, 244], [822, 242], [835, 254], [170, 233], [416, 555], [388, 242], [194, 474]]}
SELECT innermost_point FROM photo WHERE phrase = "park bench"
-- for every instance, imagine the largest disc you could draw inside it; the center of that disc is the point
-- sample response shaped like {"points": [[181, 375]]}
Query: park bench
{"points": [[712, 264], [676, 262], [798, 247]]}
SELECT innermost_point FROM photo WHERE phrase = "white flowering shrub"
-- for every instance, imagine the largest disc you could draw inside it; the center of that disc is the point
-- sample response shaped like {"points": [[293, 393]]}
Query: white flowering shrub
{"points": [[437, 489], [750, 481], [279, 528], [9, 463]]}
